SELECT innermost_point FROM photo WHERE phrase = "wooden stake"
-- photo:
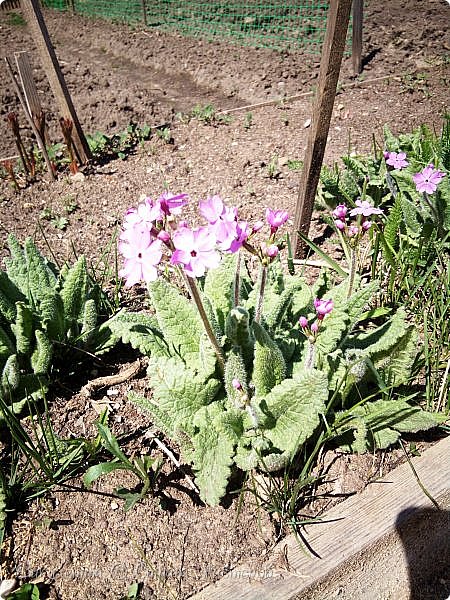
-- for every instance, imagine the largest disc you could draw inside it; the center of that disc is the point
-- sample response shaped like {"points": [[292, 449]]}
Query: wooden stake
{"points": [[33, 126], [333, 49], [144, 11], [357, 34], [35, 20]]}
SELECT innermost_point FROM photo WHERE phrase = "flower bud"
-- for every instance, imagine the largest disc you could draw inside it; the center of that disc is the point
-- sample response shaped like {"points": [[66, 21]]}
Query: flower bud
{"points": [[340, 212], [236, 384], [366, 225], [164, 236], [303, 322], [339, 224], [315, 327]]}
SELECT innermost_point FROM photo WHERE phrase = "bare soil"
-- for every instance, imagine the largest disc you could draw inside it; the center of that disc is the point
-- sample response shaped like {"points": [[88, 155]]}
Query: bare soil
{"points": [[84, 545]]}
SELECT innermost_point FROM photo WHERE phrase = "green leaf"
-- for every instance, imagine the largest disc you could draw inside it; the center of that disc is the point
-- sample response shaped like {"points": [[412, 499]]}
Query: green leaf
{"points": [[9, 295], [51, 309], [178, 321], [23, 328], [74, 291], [385, 420], [111, 443], [96, 471], [139, 329], [219, 287], [296, 405], [269, 367], [179, 393], [330, 261], [42, 355], [275, 318], [213, 457]]}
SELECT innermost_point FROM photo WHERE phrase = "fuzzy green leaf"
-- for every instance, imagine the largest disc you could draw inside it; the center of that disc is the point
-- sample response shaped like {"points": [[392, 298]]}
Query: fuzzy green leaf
{"points": [[23, 328], [42, 355], [385, 420], [275, 318], [213, 457], [238, 333], [51, 310], [6, 345], [74, 291], [138, 329], [89, 319], [9, 295], [269, 367], [235, 369], [178, 321], [219, 287], [41, 277], [178, 392], [11, 374], [296, 405]]}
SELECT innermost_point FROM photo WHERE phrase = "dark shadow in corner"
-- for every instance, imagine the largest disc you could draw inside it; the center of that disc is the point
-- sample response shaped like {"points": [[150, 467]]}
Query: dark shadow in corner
{"points": [[425, 535]]}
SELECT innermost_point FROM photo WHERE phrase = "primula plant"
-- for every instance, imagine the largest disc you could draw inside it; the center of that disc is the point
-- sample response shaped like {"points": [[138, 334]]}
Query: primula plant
{"points": [[244, 374], [44, 313]]}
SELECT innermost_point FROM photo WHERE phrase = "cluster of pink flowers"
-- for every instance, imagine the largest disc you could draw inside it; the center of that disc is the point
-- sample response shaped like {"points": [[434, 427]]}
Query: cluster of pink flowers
{"points": [[152, 227], [323, 308], [428, 179], [362, 210]]}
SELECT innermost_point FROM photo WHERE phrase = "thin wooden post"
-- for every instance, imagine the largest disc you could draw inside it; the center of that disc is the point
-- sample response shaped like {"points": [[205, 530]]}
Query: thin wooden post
{"points": [[330, 65], [31, 94], [357, 33], [144, 11], [33, 125], [35, 21]]}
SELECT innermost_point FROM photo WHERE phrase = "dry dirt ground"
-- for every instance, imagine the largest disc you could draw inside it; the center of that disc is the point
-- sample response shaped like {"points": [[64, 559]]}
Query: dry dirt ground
{"points": [[83, 545]]}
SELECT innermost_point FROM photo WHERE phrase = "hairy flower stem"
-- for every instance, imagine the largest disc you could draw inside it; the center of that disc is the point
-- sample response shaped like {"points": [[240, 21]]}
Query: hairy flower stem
{"points": [[310, 356], [237, 282], [195, 295], [432, 207], [353, 265], [262, 287]]}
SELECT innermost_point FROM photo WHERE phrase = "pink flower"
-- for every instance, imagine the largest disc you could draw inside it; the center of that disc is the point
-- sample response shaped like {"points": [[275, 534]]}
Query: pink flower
{"points": [[365, 208], [172, 205], [141, 258], [339, 224], [323, 307], [315, 327], [195, 250], [352, 231], [257, 226], [340, 212], [428, 179], [303, 322], [398, 161], [212, 208], [276, 218], [366, 225]]}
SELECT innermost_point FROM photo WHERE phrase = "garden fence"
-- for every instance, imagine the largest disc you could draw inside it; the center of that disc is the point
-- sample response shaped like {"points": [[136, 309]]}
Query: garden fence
{"points": [[277, 24]]}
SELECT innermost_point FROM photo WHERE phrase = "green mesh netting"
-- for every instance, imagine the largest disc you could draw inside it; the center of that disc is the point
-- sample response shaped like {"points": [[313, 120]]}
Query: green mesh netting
{"points": [[278, 24]]}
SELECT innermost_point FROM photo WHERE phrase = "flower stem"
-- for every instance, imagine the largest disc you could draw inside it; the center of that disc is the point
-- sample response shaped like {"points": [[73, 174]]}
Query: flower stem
{"points": [[311, 355], [237, 281], [262, 287], [191, 284], [435, 213], [353, 264]]}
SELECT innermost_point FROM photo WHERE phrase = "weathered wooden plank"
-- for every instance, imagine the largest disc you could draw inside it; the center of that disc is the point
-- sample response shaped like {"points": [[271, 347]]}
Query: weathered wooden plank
{"points": [[345, 531], [330, 65], [357, 36], [33, 15]]}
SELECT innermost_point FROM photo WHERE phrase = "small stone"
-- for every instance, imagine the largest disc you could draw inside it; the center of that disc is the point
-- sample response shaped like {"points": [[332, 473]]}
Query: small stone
{"points": [[7, 586], [114, 505], [78, 177]]}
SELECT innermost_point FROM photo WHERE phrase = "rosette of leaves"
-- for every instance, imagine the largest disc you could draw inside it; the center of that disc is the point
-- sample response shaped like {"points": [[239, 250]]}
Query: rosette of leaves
{"points": [[268, 403], [43, 312]]}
